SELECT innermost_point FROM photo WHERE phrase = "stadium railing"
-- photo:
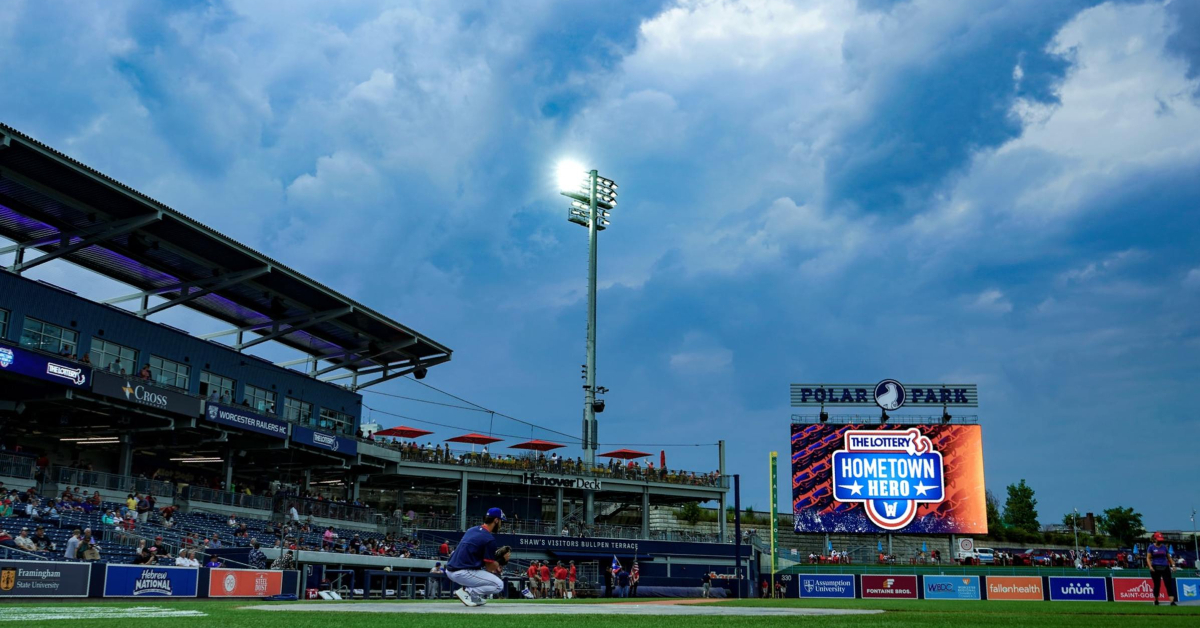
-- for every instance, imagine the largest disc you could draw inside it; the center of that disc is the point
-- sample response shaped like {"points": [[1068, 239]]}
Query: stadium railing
{"points": [[18, 466], [226, 498], [326, 509], [111, 482], [545, 465]]}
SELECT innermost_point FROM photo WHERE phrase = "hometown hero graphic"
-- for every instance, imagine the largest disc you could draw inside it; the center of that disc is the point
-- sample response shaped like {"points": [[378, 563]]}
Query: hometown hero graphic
{"points": [[889, 473], [477, 563]]}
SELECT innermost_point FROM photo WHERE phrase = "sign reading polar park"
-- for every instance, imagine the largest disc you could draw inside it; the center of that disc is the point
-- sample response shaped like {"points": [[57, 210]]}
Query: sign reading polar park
{"points": [[924, 479]]}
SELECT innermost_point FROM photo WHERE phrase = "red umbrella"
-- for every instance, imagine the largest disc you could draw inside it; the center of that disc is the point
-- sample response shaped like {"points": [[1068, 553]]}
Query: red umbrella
{"points": [[537, 445], [474, 439], [403, 432], [625, 454]]}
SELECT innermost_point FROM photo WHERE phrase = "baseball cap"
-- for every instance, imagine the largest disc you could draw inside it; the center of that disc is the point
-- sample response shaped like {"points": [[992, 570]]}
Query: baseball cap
{"points": [[496, 512], [1158, 536]]}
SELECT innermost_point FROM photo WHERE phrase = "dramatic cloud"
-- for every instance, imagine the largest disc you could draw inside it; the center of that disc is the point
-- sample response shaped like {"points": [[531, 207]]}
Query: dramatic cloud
{"points": [[1000, 191]]}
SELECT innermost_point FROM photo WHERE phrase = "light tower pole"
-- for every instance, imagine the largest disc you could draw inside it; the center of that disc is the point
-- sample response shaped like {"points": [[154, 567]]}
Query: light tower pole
{"points": [[592, 198]]}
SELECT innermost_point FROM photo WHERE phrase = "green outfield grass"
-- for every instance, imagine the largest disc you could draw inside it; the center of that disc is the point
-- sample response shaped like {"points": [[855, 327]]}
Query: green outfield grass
{"points": [[228, 614]]}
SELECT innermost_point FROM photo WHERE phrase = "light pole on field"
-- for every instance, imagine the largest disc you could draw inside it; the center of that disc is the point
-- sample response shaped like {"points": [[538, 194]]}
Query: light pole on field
{"points": [[1195, 543], [1075, 527], [592, 198]]}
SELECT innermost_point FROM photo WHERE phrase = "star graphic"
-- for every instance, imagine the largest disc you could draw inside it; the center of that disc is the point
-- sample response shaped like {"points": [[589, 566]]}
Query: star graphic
{"points": [[923, 488], [855, 489]]}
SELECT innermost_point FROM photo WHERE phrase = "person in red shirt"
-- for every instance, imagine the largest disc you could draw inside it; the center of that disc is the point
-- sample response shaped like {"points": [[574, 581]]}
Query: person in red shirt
{"points": [[533, 579], [444, 549], [571, 580], [560, 581], [544, 579]]}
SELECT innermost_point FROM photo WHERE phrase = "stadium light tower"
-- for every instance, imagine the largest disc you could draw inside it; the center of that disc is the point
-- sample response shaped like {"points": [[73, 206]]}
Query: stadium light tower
{"points": [[1075, 528], [592, 198]]}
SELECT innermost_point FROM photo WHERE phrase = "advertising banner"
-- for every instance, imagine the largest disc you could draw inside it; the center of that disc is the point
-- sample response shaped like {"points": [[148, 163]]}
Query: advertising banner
{"points": [[1015, 588], [321, 440], [244, 419], [1189, 589], [244, 583], [889, 587], [32, 578], [143, 581], [1078, 589], [1138, 590], [888, 397], [838, 586], [872, 479], [143, 393], [538, 479], [951, 588], [39, 366]]}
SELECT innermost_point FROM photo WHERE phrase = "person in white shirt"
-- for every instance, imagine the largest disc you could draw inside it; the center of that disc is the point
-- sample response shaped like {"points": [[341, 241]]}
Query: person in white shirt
{"points": [[24, 542], [232, 521], [73, 545], [192, 562], [182, 560], [294, 514]]}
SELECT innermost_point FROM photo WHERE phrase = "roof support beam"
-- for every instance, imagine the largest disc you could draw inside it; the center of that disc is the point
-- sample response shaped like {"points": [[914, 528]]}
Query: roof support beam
{"points": [[91, 235], [214, 284], [407, 367], [175, 287], [265, 325], [307, 321], [395, 346]]}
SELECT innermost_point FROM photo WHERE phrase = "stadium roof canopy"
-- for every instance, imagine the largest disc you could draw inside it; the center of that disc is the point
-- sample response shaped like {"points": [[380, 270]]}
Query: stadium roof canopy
{"points": [[63, 209]]}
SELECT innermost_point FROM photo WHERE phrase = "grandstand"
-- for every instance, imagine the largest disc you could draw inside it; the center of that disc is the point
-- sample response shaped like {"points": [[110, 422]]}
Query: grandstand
{"points": [[99, 395]]}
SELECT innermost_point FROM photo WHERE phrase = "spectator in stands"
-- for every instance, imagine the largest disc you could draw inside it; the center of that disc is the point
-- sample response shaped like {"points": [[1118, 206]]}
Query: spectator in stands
{"points": [[6, 509], [143, 557], [89, 549], [257, 559], [130, 505], [284, 562], [355, 543], [41, 541], [214, 542], [24, 542], [145, 373], [182, 559], [6, 539], [226, 397], [72, 551], [327, 539], [213, 562], [232, 521], [109, 520], [444, 549]]}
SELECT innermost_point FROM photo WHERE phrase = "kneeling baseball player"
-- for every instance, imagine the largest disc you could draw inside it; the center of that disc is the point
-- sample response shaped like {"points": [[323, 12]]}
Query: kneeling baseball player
{"points": [[477, 563]]}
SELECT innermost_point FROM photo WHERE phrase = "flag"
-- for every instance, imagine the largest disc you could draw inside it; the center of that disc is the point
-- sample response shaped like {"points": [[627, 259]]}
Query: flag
{"points": [[829, 545], [634, 575], [923, 547], [1171, 550], [616, 565], [1135, 550], [879, 546]]}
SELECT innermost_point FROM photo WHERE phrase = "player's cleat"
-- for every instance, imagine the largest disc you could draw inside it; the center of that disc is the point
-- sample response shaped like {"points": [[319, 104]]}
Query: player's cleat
{"points": [[479, 601], [465, 597]]}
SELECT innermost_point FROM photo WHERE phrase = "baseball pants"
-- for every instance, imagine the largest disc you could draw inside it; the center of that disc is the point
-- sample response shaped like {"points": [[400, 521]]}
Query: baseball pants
{"points": [[477, 582]]}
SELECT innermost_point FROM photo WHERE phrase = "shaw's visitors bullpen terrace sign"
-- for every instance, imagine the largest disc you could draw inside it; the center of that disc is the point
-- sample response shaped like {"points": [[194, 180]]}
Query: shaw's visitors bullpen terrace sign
{"points": [[889, 473]]}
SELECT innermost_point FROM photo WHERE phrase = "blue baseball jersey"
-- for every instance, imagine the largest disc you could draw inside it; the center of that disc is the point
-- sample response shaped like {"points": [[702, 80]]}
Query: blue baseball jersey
{"points": [[476, 547], [1159, 556]]}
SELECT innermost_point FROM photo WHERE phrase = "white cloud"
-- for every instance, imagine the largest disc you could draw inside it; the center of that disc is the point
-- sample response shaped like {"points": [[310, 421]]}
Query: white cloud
{"points": [[1191, 281], [991, 301]]}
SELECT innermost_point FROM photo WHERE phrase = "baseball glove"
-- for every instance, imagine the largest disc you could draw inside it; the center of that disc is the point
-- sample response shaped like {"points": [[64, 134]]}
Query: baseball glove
{"points": [[502, 554]]}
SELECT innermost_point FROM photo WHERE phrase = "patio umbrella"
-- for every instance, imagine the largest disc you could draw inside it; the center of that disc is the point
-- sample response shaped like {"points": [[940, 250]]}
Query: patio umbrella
{"points": [[474, 439], [879, 546], [923, 548], [403, 432], [536, 445], [625, 454], [662, 459]]}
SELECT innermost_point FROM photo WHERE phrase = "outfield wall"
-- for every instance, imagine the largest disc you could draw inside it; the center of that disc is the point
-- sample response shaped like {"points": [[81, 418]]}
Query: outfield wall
{"points": [[901, 586], [58, 580]]}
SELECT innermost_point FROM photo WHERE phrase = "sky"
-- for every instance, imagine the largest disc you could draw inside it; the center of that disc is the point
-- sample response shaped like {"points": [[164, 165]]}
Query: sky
{"points": [[1002, 192]]}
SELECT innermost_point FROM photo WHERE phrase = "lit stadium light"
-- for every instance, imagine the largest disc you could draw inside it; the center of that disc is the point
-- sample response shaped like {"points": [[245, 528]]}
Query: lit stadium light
{"points": [[570, 175]]}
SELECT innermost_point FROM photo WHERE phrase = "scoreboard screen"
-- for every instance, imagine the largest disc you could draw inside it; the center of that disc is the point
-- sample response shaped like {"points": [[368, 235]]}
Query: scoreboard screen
{"points": [[924, 479]]}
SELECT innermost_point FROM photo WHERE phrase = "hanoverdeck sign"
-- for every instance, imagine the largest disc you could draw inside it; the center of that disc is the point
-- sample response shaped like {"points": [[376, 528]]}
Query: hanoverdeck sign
{"points": [[537, 479], [29, 578], [321, 440]]}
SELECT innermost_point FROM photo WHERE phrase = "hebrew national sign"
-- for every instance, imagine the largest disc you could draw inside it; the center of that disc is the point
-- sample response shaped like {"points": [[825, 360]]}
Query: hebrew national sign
{"points": [[888, 394]]}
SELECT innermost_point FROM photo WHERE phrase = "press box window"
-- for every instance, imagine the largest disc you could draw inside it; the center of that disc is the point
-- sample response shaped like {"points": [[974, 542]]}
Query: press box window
{"points": [[297, 411], [223, 386], [169, 373], [336, 421], [3, 323], [114, 357], [260, 399], [46, 337]]}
